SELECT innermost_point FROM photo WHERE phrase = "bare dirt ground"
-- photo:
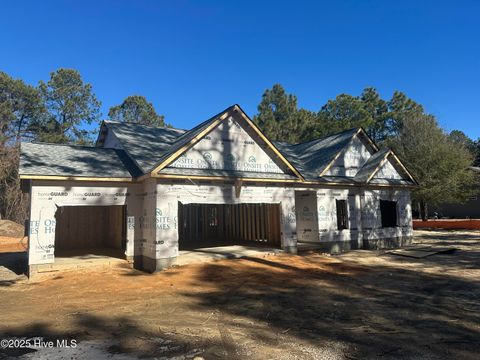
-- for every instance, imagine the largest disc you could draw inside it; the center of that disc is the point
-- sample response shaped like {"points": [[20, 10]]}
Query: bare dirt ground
{"points": [[11, 237], [359, 305], [12, 244]]}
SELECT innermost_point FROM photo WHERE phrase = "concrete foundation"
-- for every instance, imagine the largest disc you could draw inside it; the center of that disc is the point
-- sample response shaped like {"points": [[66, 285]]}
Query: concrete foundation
{"points": [[389, 243], [223, 252], [290, 249], [336, 247], [150, 265], [78, 262], [331, 247]]}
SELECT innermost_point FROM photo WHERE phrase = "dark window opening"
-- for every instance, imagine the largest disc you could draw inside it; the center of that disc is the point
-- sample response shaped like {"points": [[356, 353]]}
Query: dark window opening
{"points": [[388, 210], [342, 215]]}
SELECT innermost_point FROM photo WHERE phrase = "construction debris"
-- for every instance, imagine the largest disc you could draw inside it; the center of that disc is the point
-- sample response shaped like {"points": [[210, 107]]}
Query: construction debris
{"points": [[422, 252]]}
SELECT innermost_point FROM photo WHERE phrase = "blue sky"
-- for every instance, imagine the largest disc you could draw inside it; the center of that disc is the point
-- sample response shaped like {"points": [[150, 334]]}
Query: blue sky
{"points": [[194, 58]]}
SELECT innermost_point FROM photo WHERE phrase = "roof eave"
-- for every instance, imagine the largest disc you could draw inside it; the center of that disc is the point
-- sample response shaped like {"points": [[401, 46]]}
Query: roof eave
{"points": [[76, 178]]}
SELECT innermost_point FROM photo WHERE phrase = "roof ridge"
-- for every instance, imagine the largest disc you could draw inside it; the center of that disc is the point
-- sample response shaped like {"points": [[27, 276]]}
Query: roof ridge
{"points": [[199, 126], [69, 145], [321, 138], [143, 125]]}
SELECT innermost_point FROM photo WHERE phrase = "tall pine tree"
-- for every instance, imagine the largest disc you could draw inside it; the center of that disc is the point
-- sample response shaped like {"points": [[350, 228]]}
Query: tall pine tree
{"points": [[278, 115], [136, 109], [71, 105]]}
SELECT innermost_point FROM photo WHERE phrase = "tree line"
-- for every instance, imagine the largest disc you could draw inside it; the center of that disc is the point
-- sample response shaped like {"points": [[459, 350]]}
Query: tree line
{"points": [[56, 111], [440, 161], [59, 110]]}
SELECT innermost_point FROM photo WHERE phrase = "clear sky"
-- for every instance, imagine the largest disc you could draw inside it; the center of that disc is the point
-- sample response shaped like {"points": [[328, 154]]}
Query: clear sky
{"points": [[192, 59]]}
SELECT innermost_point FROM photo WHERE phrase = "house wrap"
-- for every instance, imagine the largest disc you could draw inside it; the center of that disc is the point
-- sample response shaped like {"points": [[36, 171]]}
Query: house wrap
{"points": [[147, 192]]}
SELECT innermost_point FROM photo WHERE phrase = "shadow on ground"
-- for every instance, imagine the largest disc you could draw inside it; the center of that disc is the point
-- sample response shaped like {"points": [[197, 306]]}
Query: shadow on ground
{"points": [[287, 307], [13, 267]]}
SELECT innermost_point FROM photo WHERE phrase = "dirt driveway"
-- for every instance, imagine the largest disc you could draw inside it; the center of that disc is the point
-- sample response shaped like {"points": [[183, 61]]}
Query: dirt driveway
{"points": [[357, 305]]}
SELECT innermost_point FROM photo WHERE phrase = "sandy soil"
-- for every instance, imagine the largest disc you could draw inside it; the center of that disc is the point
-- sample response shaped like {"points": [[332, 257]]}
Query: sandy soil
{"points": [[13, 244], [357, 305], [11, 237]]}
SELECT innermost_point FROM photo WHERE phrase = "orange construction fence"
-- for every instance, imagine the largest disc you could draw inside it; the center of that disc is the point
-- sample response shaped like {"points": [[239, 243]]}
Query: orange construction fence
{"points": [[473, 224]]}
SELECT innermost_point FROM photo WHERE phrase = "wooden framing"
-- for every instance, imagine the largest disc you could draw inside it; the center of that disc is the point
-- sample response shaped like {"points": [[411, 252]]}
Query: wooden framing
{"points": [[221, 224], [370, 141], [91, 227], [384, 160], [279, 181], [403, 167]]}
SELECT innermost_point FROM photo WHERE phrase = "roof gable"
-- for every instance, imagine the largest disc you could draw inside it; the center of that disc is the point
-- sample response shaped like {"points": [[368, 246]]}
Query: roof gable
{"points": [[228, 147], [144, 144], [188, 140], [388, 172], [384, 167], [350, 159], [314, 158]]}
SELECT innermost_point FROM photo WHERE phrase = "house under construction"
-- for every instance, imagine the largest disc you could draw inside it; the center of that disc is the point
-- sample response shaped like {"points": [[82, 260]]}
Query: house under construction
{"points": [[145, 193]]}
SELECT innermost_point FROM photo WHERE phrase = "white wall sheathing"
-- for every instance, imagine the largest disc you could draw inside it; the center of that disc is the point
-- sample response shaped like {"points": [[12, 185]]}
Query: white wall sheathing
{"points": [[351, 160], [327, 215], [47, 197], [168, 197], [371, 215], [147, 220], [387, 171], [152, 212], [227, 147], [307, 216]]}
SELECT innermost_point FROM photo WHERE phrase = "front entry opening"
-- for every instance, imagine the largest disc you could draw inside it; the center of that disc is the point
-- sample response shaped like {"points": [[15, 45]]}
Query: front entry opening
{"points": [[208, 225], [90, 232]]}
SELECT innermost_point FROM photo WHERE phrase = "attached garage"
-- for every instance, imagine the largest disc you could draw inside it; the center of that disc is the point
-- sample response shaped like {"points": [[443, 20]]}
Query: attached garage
{"points": [[90, 230], [206, 225]]}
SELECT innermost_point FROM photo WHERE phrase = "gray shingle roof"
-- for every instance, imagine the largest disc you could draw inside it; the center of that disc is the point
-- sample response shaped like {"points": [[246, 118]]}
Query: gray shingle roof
{"points": [[372, 163], [145, 147], [311, 158], [149, 146], [187, 137], [72, 160], [145, 144]]}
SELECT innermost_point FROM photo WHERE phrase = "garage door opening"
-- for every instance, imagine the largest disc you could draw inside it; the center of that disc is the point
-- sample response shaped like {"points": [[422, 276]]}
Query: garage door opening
{"points": [[90, 232], [210, 225]]}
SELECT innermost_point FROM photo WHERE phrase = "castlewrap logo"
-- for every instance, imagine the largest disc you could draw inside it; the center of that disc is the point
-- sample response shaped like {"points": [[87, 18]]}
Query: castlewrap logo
{"points": [[252, 159], [207, 156]]}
